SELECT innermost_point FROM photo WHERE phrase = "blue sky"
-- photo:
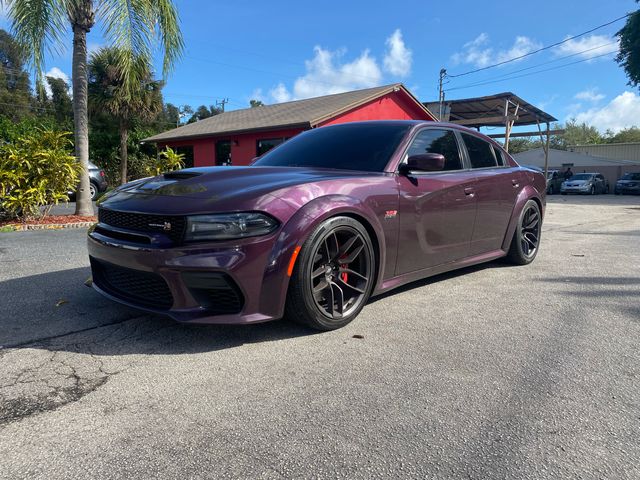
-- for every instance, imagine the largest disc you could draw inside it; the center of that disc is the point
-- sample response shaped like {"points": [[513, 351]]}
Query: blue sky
{"points": [[281, 50]]}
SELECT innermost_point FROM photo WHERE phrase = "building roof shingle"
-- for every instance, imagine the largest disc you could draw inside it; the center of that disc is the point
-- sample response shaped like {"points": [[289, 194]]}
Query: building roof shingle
{"points": [[307, 113]]}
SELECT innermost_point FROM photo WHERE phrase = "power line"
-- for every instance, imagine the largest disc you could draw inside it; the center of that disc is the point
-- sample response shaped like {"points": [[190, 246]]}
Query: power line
{"points": [[531, 73], [540, 49], [582, 52]]}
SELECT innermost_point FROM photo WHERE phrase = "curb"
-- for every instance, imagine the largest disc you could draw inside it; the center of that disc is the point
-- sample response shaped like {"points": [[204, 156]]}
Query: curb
{"points": [[17, 227]]}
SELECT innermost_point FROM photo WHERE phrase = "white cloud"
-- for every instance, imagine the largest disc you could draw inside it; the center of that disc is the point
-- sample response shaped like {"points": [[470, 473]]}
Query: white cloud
{"points": [[397, 59], [280, 93], [326, 74], [478, 53], [621, 112], [586, 47], [590, 95], [55, 72]]}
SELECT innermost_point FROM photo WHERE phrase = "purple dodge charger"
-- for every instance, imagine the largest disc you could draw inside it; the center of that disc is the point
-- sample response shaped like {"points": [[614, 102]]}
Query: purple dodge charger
{"points": [[317, 225]]}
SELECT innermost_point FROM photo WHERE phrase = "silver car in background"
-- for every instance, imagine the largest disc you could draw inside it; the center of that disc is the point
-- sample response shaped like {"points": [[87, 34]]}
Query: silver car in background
{"points": [[586, 184]]}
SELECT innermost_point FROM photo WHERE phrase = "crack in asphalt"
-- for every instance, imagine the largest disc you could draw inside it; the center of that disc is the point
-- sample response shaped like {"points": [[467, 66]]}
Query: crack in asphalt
{"points": [[57, 381], [62, 335]]}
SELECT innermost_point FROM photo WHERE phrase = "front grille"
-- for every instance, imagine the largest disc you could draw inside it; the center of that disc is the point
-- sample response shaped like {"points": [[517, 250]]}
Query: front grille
{"points": [[171, 225], [214, 291], [143, 288]]}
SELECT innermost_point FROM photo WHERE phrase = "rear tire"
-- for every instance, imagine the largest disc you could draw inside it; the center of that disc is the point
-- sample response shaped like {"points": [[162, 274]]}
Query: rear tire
{"points": [[526, 239], [93, 191], [333, 277]]}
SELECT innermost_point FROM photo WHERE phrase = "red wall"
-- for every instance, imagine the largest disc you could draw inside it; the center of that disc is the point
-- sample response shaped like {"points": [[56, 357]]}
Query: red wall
{"points": [[393, 106]]}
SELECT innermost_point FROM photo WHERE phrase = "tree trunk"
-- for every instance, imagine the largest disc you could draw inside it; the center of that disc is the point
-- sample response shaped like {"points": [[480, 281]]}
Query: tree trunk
{"points": [[82, 20], [124, 138]]}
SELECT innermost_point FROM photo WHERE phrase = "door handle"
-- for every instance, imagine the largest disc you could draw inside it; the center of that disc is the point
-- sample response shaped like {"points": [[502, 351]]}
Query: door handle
{"points": [[469, 192], [515, 183]]}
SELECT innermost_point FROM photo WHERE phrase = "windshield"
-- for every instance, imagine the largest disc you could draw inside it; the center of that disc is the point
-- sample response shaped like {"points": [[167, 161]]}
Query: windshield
{"points": [[631, 176], [581, 176], [350, 146]]}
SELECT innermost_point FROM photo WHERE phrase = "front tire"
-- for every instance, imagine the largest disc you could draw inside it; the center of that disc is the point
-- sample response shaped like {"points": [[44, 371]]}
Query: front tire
{"points": [[526, 238], [333, 276]]}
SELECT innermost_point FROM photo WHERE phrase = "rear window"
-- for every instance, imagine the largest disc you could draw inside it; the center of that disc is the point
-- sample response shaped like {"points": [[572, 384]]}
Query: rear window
{"points": [[356, 146], [480, 152]]}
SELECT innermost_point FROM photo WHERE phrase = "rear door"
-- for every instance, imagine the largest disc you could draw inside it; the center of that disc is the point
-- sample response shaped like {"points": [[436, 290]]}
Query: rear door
{"points": [[437, 209], [497, 186]]}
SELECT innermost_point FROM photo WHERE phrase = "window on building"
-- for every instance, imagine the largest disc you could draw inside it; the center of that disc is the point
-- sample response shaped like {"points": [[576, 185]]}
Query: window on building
{"points": [[480, 152], [438, 141], [187, 151], [265, 144], [223, 152]]}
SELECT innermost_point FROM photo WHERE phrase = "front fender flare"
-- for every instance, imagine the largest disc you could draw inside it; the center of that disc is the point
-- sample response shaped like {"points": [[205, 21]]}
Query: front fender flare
{"points": [[296, 231]]}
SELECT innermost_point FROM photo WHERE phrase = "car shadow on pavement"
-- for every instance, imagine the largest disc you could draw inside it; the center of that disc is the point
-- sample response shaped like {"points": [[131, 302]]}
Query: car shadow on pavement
{"points": [[57, 311], [443, 276]]}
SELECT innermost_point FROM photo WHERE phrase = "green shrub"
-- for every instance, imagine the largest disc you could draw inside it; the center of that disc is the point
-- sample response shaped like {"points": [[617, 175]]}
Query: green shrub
{"points": [[166, 161], [37, 170]]}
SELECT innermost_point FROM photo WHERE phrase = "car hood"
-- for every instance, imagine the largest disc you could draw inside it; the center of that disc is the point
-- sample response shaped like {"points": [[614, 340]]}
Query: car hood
{"points": [[625, 182], [216, 188]]}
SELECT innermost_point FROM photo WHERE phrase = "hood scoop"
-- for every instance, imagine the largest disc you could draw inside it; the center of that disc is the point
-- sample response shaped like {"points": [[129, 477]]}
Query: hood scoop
{"points": [[181, 175]]}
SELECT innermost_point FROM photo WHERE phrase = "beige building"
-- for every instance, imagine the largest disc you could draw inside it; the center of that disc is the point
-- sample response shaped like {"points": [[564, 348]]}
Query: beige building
{"points": [[615, 151], [612, 169]]}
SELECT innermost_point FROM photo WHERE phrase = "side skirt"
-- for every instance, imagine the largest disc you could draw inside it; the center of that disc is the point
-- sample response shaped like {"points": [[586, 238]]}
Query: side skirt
{"points": [[400, 280]]}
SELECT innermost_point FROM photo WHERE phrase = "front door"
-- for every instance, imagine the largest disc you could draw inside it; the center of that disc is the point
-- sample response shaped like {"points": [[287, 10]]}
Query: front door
{"points": [[437, 209]]}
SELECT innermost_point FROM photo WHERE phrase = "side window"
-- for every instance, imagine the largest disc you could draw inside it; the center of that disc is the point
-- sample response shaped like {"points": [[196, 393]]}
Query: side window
{"points": [[438, 141], [499, 156], [480, 152]]}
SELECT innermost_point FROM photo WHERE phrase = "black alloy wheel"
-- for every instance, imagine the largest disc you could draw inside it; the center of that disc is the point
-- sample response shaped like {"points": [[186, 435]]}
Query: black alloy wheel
{"points": [[334, 276], [341, 272], [526, 238]]}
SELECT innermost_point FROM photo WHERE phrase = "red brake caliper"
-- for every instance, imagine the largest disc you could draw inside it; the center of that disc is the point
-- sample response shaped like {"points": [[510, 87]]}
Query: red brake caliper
{"points": [[344, 275]]}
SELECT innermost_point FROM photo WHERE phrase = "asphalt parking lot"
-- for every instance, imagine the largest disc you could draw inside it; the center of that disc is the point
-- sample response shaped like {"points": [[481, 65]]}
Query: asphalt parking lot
{"points": [[491, 372]]}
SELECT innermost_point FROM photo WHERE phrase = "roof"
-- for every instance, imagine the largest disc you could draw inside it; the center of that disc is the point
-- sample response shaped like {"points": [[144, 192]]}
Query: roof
{"points": [[490, 111], [559, 157], [299, 113]]}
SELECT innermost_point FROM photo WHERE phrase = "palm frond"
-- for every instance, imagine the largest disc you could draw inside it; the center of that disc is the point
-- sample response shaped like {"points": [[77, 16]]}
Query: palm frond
{"points": [[38, 26], [133, 27]]}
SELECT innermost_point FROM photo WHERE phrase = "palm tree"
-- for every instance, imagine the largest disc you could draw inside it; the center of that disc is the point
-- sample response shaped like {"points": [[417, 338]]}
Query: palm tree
{"points": [[132, 27], [107, 93]]}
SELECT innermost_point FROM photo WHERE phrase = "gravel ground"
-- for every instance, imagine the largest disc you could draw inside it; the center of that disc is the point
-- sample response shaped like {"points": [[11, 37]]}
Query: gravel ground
{"points": [[490, 372]]}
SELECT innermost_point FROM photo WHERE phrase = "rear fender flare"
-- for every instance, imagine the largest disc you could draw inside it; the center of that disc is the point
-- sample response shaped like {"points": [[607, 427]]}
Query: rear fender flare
{"points": [[526, 194]]}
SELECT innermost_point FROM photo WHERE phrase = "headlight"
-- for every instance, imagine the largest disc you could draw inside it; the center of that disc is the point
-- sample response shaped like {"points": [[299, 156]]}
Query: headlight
{"points": [[228, 226]]}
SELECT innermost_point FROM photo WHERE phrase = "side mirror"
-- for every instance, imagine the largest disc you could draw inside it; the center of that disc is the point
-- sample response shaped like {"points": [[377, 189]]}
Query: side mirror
{"points": [[424, 162]]}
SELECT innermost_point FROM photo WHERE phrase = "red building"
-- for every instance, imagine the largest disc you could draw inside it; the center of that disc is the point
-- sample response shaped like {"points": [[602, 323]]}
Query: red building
{"points": [[237, 137]]}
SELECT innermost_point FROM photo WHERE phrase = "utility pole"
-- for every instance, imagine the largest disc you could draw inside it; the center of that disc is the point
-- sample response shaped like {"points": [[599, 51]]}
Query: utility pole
{"points": [[222, 103], [443, 74]]}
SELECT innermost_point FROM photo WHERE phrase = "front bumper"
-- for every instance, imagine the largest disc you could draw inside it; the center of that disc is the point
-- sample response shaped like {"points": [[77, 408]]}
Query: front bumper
{"points": [[199, 283], [581, 189], [634, 189]]}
